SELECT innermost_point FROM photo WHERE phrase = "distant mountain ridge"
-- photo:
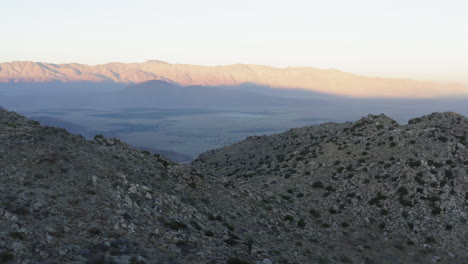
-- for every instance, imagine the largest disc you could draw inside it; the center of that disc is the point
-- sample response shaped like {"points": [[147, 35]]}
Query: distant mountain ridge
{"points": [[312, 79]]}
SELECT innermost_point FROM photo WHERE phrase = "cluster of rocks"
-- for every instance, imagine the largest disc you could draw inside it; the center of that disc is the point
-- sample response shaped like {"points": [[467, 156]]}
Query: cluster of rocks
{"points": [[365, 192]]}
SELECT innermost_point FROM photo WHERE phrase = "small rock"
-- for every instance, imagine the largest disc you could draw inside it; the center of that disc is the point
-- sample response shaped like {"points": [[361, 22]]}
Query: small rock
{"points": [[436, 259], [94, 179], [132, 189], [17, 246], [50, 230]]}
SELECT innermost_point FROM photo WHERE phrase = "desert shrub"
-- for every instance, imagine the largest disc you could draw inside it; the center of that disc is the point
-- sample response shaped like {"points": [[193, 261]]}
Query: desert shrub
{"points": [[402, 191], [301, 223], [237, 261], [376, 200], [384, 212], [414, 163], [317, 184], [443, 139], [449, 174], [382, 225], [175, 225], [430, 240], [289, 218], [419, 180], [5, 257], [16, 235], [314, 213], [405, 214], [230, 241]]}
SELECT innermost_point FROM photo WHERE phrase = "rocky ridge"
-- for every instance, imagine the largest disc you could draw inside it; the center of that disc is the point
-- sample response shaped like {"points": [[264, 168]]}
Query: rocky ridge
{"points": [[365, 183], [371, 191]]}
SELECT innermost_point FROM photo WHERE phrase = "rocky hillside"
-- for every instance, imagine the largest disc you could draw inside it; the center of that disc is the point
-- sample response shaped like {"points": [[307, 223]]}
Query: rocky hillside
{"points": [[67, 200], [327, 81], [365, 192], [371, 191]]}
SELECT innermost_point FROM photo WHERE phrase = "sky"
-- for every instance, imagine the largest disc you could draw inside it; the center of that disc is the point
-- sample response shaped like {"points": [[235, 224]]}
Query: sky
{"points": [[419, 39]]}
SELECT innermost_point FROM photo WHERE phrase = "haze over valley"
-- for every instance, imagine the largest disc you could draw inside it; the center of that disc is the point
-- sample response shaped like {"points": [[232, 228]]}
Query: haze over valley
{"points": [[187, 109]]}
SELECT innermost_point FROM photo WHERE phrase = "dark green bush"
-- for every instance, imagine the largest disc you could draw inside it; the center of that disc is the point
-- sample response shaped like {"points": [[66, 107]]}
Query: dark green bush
{"points": [[5, 257], [175, 225], [384, 212], [414, 163], [230, 241], [382, 225], [314, 213], [301, 223], [317, 184], [237, 261]]}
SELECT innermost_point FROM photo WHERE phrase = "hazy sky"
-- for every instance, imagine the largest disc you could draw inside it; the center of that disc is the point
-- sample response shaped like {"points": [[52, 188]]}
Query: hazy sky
{"points": [[423, 39]]}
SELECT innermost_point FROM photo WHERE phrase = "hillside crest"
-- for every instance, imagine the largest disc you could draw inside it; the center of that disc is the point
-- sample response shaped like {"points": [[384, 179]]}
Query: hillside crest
{"points": [[370, 191]]}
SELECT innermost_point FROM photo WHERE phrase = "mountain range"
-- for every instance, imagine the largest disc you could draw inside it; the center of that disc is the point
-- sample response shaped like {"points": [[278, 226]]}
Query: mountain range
{"points": [[328, 81]]}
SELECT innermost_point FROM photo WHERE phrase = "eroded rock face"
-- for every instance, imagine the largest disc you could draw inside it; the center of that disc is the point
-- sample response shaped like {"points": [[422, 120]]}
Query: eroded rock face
{"points": [[371, 191]]}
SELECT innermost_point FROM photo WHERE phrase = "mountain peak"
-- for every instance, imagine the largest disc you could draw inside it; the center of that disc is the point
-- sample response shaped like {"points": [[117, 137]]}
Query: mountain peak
{"points": [[156, 62]]}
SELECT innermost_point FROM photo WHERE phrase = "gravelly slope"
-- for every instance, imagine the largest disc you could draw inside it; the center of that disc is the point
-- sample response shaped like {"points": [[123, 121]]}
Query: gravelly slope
{"points": [[365, 192]]}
